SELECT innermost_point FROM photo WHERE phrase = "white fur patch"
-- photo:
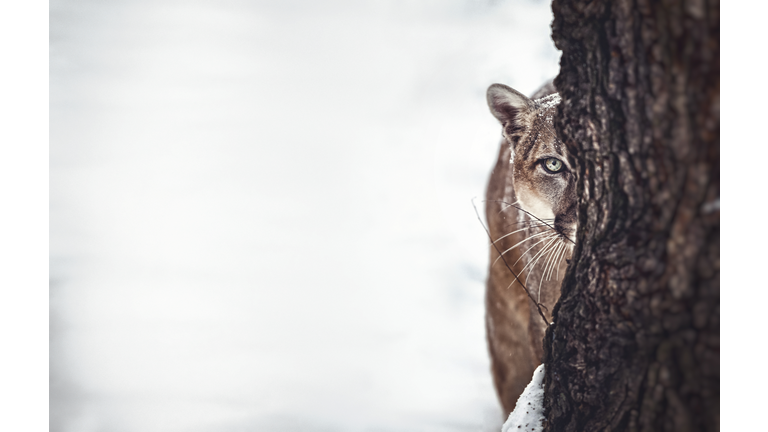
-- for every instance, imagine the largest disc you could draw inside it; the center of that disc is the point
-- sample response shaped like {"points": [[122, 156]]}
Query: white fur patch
{"points": [[532, 204]]}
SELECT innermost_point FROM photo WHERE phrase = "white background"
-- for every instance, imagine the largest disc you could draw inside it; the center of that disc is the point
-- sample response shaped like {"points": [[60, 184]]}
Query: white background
{"points": [[261, 215]]}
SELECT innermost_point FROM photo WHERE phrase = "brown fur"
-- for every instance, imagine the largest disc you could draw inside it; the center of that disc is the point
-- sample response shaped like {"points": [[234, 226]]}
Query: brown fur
{"points": [[515, 329]]}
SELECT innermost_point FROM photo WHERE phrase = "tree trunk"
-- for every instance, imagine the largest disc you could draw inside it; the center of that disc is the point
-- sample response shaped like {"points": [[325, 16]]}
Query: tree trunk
{"points": [[635, 344]]}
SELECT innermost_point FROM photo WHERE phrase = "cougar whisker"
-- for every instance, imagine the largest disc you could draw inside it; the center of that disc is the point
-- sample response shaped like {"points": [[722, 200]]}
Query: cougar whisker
{"points": [[553, 262], [518, 244], [509, 234], [548, 236], [560, 260], [562, 256], [548, 263], [535, 217], [528, 250], [537, 256], [533, 260], [547, 250]]}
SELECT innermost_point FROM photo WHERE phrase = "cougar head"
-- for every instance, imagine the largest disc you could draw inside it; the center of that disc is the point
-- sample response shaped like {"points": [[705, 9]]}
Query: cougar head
{"points": [[543, 177]]}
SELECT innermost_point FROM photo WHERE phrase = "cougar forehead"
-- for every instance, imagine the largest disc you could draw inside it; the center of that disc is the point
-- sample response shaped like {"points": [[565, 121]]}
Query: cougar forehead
{"points": [[538, 133]]}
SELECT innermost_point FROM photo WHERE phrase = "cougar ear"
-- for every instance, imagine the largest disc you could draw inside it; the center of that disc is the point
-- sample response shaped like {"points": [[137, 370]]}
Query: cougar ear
{"points": [[506, 104]]}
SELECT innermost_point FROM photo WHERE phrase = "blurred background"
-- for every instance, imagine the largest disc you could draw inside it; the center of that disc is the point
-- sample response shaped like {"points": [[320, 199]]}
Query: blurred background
{"points": [[261, 212]]}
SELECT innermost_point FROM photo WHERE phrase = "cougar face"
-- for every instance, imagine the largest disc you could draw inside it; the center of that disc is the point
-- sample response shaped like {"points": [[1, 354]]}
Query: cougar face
{"points": [[531, 214], [543, 179]]}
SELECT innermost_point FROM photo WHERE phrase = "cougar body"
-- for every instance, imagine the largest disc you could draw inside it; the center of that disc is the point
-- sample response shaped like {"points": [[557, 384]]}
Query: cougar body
{"points": [[531, 215]]}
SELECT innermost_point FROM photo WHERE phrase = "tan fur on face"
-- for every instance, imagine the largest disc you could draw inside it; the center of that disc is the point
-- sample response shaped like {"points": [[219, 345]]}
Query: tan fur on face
{"points": [[531, 216]]}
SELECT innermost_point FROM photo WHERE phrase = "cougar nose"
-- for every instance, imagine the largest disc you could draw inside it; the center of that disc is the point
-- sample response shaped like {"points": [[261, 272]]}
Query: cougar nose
{"points": [[565, 223], [566, 229]]}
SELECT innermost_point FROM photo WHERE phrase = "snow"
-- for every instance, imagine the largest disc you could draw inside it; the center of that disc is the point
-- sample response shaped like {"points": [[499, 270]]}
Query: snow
{"points": [[528, 414], [550, 101], [546, 103], [260, 212]]}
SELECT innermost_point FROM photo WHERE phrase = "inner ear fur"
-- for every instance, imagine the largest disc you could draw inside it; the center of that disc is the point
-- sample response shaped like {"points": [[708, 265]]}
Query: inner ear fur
{"points": [[507, 104]]}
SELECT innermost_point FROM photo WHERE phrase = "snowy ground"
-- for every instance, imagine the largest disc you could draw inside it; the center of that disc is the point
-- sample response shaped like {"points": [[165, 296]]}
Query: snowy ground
{"points": [[261, 212]]}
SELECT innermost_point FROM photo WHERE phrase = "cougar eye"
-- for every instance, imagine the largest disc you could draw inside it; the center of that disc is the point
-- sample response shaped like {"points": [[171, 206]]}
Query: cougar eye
{"points": [[553, 165]]}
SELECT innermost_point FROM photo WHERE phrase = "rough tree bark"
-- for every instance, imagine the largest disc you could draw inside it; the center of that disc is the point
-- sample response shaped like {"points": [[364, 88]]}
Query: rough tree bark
{"points": [[635, 344]]}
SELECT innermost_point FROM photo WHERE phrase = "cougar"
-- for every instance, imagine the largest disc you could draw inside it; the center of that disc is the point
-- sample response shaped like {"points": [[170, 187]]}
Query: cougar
{"points": [[531, 214]]}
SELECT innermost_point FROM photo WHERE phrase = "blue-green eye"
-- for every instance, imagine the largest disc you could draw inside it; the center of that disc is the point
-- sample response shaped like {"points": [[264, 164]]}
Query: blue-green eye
{"points": [[553, 165]]}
